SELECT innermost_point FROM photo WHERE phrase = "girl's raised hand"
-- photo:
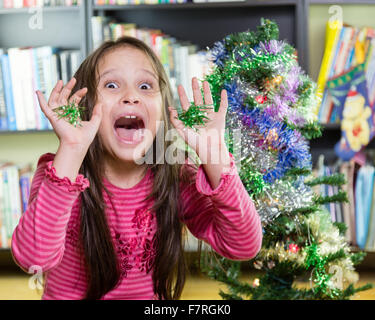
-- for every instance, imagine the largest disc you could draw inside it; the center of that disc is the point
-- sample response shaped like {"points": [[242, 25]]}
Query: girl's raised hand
{"points": [[79, 137], [210, 135]]}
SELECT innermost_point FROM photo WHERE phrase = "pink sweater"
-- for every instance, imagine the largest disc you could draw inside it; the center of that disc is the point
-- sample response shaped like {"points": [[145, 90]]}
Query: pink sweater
{"points": [[47, 233]]}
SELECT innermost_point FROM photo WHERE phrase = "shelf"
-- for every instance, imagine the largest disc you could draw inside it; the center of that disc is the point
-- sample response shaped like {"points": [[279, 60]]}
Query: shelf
{"points": [[20, 132], [45, 9], [192, 5], [333, 2], [331, 126]]}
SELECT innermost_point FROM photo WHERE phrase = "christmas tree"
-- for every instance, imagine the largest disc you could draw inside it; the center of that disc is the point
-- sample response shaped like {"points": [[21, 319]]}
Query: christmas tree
{"points": [[271, 104]]}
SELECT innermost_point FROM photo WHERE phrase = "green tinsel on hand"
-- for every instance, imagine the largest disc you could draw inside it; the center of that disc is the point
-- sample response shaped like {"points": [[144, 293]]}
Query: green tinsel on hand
{"points": [[71, 112], [195, 115]]}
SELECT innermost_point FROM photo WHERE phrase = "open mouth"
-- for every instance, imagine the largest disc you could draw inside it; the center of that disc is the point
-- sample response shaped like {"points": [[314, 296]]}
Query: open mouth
{"points": [[130, 128]]}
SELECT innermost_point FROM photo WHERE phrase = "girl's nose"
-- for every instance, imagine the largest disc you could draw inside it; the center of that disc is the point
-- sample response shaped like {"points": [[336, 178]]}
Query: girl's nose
{"points": [[129, 99]]}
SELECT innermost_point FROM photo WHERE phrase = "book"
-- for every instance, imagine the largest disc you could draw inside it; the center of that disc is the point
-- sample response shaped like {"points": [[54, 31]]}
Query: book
{"points": [[333, 30], [7, 210], [16, 74], [8, 93], [75, 61], [3, 235], [27, 91], [15, 198], [39, 83], [25, 178], [65, 65], [370, 241], [3, 110]]}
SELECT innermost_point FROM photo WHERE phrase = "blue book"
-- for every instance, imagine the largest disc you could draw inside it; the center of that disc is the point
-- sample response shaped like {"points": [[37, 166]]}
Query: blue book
{"points": [[25, 191], [3, 111], [8, 93], [38, 72]]}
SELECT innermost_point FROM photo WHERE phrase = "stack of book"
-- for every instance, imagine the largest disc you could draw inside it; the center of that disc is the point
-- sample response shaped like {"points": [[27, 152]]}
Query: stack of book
{"points": [[359, 213], [181, 60], [9, 4], [346, 47], [14, 194], [22, 72]]}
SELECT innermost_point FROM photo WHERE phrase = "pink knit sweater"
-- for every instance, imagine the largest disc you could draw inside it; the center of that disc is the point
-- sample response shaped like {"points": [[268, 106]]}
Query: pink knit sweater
{"points": [[47, 233]]}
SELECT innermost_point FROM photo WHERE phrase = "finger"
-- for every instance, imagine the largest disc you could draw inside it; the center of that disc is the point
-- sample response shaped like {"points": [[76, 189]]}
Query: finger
{"points": [[178, 124], [208, 96], [223, 102], [198, 100], [55, 93], [96, 116], [65, 92], [78, 95], [44, 105], [183, 98]]}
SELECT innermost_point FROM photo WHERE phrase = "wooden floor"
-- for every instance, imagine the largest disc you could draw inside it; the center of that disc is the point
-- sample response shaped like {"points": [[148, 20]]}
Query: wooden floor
{"points": [[15, 286]]}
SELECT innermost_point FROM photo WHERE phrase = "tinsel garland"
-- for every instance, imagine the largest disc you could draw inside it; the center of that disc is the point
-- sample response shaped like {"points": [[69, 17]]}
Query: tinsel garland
{"points": [[292, 148], [319, 274]]}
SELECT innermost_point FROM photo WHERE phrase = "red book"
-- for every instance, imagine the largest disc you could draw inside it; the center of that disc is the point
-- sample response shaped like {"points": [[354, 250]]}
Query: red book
{"points": [[8, 4], [29, 3]]}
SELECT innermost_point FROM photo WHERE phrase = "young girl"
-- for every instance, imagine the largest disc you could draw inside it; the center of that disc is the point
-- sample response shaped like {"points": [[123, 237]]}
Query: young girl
{"points": [[100, 224]]}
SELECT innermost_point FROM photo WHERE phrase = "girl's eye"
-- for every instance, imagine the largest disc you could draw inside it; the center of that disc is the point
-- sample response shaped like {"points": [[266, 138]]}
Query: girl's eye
{"points": [[112, 84], [145, 86]]}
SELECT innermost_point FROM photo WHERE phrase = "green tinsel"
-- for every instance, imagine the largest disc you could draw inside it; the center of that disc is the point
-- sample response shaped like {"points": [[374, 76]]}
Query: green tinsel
{"points": [[195, 115], [320, 276], [71, 112]]}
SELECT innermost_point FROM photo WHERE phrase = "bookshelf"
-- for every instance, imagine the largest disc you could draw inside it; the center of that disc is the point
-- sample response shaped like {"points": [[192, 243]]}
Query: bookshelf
{"points": [[301, 23], [215, 19], [357, 13]]}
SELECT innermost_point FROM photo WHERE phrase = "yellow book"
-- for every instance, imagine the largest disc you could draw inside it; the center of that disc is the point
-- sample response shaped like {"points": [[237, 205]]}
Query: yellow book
{"points": [[360, 49], [332, 35]]}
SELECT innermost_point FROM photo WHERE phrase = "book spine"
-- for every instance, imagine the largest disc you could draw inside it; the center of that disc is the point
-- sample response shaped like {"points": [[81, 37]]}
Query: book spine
{"points": [[40, 83], [2, 217], [15, 193], [27, 89], [332, 34], [8, 93], [17, 89], [25, 190], [7, 207], [3, 110], [8, 4], [34, 87]]}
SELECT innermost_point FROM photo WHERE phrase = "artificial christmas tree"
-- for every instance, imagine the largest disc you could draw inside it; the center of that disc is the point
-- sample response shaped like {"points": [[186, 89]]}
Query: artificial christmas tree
{"points": [[272, 103]]}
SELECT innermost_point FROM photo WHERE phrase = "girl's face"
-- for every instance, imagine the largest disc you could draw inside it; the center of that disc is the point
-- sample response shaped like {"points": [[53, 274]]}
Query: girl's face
{"points": [[128, 88]]}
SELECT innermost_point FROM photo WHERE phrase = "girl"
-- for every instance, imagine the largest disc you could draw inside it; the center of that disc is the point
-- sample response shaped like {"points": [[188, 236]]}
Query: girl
{"points": [[100, 224]]}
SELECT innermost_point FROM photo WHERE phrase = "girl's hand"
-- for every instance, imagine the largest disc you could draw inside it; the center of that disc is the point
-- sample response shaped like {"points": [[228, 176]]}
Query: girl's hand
{"points": [[209, 136], [79, 137]]}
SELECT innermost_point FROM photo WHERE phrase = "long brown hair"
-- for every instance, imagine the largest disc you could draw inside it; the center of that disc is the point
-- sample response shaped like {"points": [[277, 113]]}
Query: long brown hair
{"points": [[101, 264]]}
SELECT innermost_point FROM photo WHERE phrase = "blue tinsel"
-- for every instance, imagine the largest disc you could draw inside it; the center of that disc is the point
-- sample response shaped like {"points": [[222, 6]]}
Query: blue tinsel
{"points": [[219, 54], [292, 147]]}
